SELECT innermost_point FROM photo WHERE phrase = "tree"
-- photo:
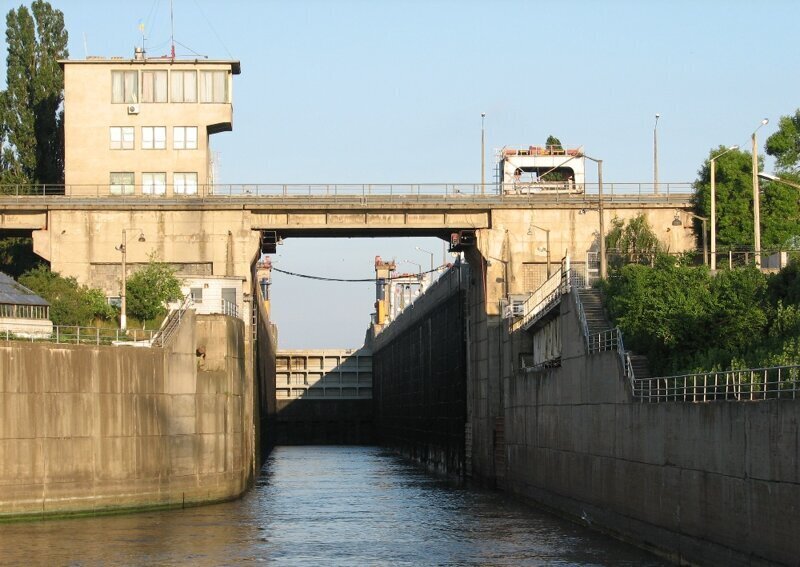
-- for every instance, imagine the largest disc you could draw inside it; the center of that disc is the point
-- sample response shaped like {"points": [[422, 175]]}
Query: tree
{"points": [[635, 243], [780, 209], [31, 118], [784, 145], [150, 289], [553, 143], [70, 303], [16, 256]]}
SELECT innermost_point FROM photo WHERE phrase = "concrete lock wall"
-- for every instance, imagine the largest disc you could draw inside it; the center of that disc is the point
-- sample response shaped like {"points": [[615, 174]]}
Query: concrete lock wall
{"points": [[715, 483], [419, 378], [87, 429]]}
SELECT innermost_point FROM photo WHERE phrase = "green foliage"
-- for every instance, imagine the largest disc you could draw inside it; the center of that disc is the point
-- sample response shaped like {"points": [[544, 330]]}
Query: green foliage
{"points": [[30, 117], [686, 320], [779, 204], [16, 256], [70, 303], [150, 289], [634, 243], [784, 145], [553, 143]]}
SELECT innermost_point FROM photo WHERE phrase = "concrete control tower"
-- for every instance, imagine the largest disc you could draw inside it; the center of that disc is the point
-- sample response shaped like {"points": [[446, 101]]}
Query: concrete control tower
{"points": [[541, 169]]}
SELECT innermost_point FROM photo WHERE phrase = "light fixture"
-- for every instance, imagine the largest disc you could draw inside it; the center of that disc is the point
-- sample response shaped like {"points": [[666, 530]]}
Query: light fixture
{"points": [[676, 221], [141, 237]]}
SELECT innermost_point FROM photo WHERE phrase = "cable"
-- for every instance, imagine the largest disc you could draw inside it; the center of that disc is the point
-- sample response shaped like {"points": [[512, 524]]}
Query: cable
{"points": [[347, 280]]}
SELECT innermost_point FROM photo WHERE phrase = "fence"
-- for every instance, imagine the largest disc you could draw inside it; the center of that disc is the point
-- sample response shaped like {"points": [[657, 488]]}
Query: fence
{"points": [[172, 322], [84, 335], [779, 382]]}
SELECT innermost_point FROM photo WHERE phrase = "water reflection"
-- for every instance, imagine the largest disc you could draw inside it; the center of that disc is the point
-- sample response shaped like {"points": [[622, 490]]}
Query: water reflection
{"points": [[326, 506]]}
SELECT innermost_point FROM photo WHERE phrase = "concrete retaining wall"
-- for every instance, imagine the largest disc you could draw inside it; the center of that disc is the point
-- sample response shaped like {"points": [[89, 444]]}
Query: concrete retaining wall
{"points": [[715, 483], [87, 429]]}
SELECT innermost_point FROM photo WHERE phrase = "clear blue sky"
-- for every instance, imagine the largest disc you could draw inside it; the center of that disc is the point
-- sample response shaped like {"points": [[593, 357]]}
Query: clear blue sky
{"points": [[379, 91]]}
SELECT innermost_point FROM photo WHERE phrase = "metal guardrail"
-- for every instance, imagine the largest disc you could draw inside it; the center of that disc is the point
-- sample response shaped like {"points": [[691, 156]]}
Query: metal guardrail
{"points": [[83, 335], [778, 382], [640, 192], [229, 308], [541, 301], [172, 322]]}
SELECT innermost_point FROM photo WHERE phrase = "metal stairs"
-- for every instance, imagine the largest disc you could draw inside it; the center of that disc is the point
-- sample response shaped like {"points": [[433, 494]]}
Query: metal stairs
{"points": [[592, 301]]}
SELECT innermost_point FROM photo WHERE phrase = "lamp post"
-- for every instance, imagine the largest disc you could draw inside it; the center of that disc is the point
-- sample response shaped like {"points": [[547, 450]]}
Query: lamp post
{"points": [[483, 154], [714, 207], [776, 179], [547, 243], [123, 316], [603, 259], [677, 222], [426, 252], [756, 198], [655, 154]]}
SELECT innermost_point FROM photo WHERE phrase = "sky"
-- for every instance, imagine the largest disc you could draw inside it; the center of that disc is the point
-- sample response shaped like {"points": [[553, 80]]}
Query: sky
{"points": [[392, 91]]}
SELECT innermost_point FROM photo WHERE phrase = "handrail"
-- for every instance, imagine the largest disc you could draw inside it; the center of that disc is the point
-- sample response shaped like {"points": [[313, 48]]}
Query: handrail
{"points": [[68, 334], [545, 297], [172, 322]]}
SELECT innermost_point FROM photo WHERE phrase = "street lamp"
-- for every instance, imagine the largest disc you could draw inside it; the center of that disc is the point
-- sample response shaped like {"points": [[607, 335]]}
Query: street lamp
{"points": [[714, 206], [603, 260], [756, 198], [547, 232], [655, 154], [776, 179], [123, 316], [677, 222], [483, 154], [426, 252]]}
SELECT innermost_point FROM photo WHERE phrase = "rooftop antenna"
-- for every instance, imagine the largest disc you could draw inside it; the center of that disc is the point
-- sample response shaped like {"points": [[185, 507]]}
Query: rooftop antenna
{"points": [[85, 47], [171, 31], [141, 30]]}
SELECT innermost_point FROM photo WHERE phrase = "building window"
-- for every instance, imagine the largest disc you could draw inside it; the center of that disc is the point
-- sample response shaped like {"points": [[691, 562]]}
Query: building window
{"points": [[122, 183], [213, 86], [124, 86], [185, 183], [184, 137], [197, 294], [121, 137], [154, 137], [154, 86], [184, 86], [154, 183]]}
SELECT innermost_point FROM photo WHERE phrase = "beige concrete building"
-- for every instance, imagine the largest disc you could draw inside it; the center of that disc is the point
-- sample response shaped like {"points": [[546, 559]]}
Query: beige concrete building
{"points": [[141, 126]]}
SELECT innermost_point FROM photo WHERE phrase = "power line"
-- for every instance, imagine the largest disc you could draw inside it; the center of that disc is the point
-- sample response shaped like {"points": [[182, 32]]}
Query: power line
{"points": [[348, 280]]}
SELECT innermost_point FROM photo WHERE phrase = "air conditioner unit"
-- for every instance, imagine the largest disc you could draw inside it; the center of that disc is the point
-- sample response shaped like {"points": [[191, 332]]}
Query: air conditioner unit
{"points": [[133, 109]]}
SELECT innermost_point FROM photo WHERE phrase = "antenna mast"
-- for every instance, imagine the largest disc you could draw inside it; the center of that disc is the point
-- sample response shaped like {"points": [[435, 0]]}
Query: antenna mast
{"points": [[171, 31]]}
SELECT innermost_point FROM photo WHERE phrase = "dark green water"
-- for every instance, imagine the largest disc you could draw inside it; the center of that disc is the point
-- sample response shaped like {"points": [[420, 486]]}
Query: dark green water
{"points": [[326, 506]]}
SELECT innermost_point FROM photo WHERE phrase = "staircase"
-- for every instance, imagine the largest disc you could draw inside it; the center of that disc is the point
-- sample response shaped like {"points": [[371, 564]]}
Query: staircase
{"points": [[640, 365], [592, 301]]}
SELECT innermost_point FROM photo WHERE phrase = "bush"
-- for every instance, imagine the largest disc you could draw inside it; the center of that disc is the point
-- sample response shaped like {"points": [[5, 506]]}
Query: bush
{"points": [[70, 303]]}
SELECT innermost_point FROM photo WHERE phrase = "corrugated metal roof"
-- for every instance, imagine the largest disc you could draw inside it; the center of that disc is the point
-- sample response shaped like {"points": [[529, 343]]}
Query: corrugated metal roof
{"points": [[12, 293]]}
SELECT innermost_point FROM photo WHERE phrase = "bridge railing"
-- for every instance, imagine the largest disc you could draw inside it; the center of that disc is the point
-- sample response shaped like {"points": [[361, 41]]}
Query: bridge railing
{"points": [[586, 193]]}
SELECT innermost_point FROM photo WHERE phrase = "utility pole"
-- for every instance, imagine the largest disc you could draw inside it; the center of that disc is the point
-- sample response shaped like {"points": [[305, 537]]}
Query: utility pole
{"points": [[757, 198], [483, 154], [655, 154]]}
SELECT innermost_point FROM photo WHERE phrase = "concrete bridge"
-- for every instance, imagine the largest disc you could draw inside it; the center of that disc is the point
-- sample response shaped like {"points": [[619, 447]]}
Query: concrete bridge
{"points": [[218, 230]]}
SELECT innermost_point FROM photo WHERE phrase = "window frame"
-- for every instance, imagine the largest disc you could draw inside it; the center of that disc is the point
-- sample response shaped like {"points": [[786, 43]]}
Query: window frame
{"points": [[150, 185], [122, 141], [183, 74], [155, 73], [128, 96], [183, 138], [124, 187], [180, 188], [202, 91], [152, 143]]}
